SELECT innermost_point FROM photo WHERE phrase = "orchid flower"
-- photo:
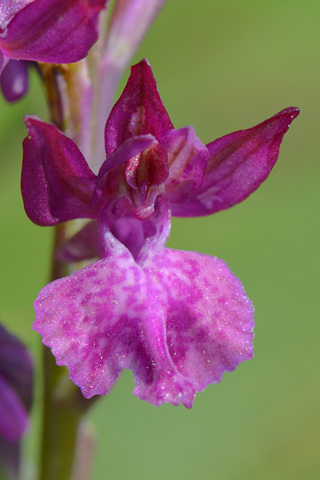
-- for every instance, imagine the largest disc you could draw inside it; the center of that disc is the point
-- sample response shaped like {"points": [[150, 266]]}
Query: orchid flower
{"points": [[49, 31], [177, 319]]}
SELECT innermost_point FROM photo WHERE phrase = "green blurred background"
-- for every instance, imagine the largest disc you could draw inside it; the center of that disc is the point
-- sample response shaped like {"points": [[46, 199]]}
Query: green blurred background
{"points": [[221, 66]]}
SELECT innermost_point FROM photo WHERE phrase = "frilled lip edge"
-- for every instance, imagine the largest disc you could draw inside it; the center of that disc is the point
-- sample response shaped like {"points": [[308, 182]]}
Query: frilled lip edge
{"points": [[136, 320]]}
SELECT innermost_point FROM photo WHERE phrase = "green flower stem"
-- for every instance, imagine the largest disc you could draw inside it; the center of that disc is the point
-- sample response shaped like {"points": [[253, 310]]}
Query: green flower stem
{"points": [[64, 405]]}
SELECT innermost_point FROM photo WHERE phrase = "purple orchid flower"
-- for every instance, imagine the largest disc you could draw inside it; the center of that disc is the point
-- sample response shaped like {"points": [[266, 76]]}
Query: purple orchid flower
{"points": [[16, 374], [177, 319], [49, 31]]}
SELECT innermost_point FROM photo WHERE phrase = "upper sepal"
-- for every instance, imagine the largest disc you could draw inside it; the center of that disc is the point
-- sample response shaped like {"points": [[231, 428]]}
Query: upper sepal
{"points": [[139, 110], [238, 164], [56, 182]]}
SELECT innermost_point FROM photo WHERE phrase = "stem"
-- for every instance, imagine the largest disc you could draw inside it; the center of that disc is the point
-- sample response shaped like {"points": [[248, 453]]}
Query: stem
{"points": [[51, 75], [64, 406], [61, 419]]}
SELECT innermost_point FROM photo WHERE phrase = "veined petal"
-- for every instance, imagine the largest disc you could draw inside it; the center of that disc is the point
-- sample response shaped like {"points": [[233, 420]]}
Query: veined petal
{"points": [[128, 149], [14, 80], [113, 183], [187, 158], [150, 168], [135, 170], [139, 110], [238, 164], [56, 182], [51, 31]]}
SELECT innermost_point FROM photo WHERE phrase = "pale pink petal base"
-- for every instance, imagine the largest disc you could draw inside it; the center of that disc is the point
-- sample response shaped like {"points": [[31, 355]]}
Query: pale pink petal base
{"points": [[178, 322]]}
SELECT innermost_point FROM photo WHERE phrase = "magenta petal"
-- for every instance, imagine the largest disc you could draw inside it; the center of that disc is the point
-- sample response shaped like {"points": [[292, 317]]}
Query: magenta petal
{"points": [[238, 164], [52, 31], [108, 184], [139, 110], [129, 148], [14, 80], [187, 157], [149, 169], [9, 8], [56, 182]]}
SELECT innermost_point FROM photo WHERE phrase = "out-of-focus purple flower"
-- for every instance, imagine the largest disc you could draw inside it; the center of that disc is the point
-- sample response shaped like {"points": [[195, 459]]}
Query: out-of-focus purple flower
{"points": [[48, 30], [14, 80], [177, 319], [15, 397]]}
